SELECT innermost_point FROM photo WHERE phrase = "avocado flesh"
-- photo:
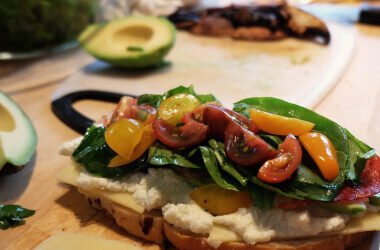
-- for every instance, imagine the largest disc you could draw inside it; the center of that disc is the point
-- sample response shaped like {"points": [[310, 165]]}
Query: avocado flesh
{"points": [[375, 200], [353, 209], [132, 42], [18, 137]]}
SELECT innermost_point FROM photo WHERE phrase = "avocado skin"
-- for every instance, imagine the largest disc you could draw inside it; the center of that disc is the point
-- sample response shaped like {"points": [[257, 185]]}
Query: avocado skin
{"points": [[354, 209], [375, 200], [140, 61]]}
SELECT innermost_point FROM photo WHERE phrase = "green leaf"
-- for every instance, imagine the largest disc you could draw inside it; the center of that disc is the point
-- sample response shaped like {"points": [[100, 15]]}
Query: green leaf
{"points": [[225, 164], [344, 142], [13, 215], [155, 100], [94, 154], [212, 168], [161, 156], [262, 198], [272, 140]]}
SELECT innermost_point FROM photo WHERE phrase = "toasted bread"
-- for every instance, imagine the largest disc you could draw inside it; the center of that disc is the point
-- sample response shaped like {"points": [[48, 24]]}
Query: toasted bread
{"points": [[151, 226]]}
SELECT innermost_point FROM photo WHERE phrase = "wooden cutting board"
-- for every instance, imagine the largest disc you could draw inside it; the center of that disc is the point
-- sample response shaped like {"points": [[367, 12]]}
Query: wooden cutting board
{"points": [[291, 69]]}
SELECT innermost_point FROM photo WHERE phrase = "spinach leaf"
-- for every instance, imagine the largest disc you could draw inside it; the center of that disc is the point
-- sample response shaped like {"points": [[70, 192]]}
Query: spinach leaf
{"points": [[344, 142], [94, 154], [262, 198], [155, 100], [272, 140], [13, 215], [212, 168], [160, 156], [225, 164]]}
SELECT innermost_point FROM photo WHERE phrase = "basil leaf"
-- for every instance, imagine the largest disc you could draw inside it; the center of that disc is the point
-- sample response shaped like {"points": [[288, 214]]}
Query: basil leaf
{"points": [[160, 156], [225, 164], [94, 154], [13, 215], [155, 100], [284, 190], [212, 168]]}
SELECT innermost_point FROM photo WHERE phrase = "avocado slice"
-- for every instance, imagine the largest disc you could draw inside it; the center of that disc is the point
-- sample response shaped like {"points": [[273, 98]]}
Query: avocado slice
{"points": [[375, 200], [18, 137], [352, 209], [133, 42]]}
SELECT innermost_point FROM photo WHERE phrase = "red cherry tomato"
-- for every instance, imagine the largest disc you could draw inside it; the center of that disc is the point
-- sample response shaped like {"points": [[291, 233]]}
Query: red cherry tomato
{"points": [[218, 118], [128, 108], [188, 135], [369, 183], [244, 147], [285, 164]]}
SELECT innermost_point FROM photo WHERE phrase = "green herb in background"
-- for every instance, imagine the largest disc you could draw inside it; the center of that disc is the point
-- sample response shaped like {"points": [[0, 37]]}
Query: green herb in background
{"points": [[13, 215]]}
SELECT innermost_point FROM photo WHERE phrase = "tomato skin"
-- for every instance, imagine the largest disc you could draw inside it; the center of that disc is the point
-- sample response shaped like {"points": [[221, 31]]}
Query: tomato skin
{"points": [[220, 201], [128, 108], [123, 136], [188, 135], [244, 147], [173, 108], [369, 183], [147, 139], [323, 153], [272, 172], [280, 125], [218, 118]]}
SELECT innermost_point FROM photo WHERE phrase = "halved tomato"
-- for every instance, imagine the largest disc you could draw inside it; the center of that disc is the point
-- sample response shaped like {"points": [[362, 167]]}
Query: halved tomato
{"points": [[188, 135], [244, 147], [128, 108], [285, 164], [218, 118]]}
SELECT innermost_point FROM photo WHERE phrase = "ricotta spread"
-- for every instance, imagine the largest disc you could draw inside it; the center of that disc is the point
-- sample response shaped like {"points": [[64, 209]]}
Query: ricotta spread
{"points": [[69, 147], [155, 189], [163, 188]]}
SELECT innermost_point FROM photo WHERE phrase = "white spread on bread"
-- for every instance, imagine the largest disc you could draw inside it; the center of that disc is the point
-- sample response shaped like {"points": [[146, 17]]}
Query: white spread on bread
{"points": [[188, 216], [163, 188], [153, 190]]}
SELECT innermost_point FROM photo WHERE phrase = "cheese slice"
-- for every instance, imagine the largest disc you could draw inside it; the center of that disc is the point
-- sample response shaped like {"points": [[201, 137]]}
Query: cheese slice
{"points": [[70, 175], [64, 241], [368, 222]]}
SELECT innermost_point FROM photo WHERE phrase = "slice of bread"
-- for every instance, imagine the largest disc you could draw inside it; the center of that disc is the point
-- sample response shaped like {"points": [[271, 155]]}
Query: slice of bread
{"points": [[151, 226]]}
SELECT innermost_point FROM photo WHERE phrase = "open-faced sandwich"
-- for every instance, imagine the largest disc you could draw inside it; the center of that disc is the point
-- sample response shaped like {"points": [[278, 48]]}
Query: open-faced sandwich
{"points": [[260, 20], [266, 175]]}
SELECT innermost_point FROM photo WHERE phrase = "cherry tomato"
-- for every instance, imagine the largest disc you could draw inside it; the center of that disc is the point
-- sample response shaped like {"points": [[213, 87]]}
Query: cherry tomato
{"points": [[220, 201], [285, 164], [323, 153], [188, 135], [123, 136], [173, 108], [369, 183], [244, 147], [280, 125], [218, 118], [147, 139], [128, 108]]}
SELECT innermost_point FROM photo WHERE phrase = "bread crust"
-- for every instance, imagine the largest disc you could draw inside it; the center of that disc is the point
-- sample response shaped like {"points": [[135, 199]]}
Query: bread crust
{"points": [[151, 226]]}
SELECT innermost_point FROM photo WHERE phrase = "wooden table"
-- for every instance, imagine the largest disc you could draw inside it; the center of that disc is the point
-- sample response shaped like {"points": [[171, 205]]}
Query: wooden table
{"points": [[354, 103]]}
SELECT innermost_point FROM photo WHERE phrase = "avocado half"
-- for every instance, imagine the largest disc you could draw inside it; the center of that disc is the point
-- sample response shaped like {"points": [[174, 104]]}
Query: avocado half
{"points": [[18, 139], [133, 42]]}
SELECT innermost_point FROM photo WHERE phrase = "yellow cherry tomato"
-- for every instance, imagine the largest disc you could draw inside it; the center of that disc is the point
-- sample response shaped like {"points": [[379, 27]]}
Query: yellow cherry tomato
{"points": [[147, 140], [323, 153], [220, 201], [123, 136], [173, 108], [279, 125]]}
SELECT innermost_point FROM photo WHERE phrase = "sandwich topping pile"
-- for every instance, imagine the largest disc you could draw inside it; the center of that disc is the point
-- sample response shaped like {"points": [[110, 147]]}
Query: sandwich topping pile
{"points": [[266, 170]]}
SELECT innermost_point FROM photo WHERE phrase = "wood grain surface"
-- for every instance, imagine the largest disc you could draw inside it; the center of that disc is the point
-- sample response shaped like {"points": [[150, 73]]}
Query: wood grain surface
{"points": [[353, 102]]}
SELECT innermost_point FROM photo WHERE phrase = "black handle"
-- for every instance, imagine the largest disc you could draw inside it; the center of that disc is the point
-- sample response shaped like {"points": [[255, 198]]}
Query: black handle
{"points": [[63, 107]]}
